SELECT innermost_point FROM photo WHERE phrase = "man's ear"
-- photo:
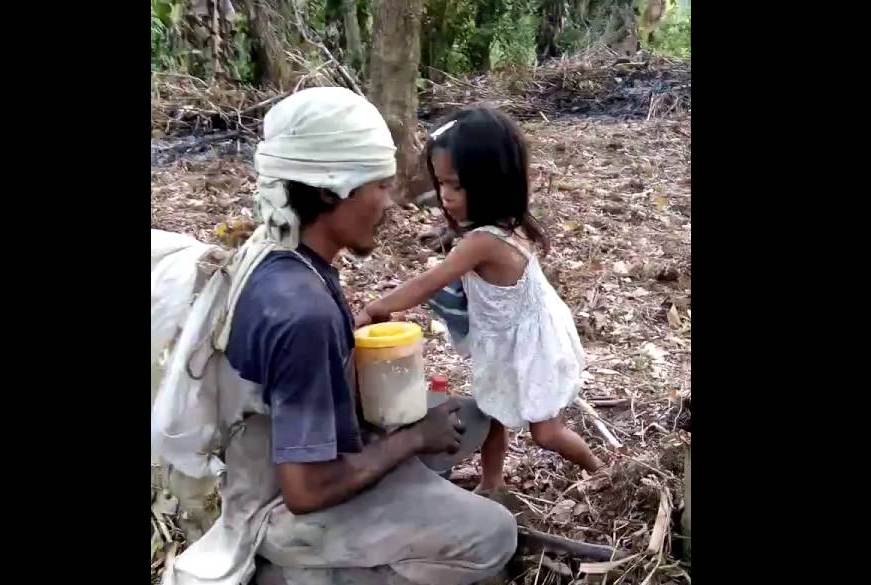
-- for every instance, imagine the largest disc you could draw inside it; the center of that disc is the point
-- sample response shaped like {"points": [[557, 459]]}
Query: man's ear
{"points": [[328, 197]]}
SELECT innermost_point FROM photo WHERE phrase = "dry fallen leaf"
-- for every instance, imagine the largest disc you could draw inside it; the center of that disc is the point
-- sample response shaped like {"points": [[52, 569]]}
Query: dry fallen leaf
{"points": [[591, 295], [562, 511], [656, 256], [165, 504], [674, 317], [605, 567], [654, 352], [437, 327]]}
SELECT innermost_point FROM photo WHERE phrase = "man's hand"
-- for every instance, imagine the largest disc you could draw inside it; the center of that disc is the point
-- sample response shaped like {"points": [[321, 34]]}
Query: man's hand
{"points": [[441, 430]]}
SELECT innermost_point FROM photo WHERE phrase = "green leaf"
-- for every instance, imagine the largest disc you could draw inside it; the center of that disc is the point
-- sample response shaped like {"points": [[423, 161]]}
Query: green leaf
{"points": [[176, 13], [162, 11]]}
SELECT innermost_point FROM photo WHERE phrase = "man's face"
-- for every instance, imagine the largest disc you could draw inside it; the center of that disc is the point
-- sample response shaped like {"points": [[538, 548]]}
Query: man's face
{"points": [[355, 220]]}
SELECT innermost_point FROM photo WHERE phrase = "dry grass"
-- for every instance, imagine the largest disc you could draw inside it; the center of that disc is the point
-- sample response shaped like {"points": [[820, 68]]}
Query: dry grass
{"points": [[615, 199], [595, 83]]}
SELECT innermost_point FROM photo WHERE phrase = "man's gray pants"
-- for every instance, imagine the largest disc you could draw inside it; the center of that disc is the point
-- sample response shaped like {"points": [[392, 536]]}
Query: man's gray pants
{"points": [[411, 528]]}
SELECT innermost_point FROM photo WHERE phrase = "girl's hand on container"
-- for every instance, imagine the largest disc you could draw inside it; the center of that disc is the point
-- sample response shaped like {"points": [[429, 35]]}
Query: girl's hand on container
{"points": [[362, 319], [370, 314]]}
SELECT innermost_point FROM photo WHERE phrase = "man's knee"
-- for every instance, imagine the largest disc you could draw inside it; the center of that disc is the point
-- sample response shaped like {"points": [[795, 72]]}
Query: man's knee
{"points": [[499, 539]]}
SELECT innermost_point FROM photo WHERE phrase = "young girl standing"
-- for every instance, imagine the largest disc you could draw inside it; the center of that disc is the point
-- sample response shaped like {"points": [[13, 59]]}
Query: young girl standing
{"points": [[525, 352]]}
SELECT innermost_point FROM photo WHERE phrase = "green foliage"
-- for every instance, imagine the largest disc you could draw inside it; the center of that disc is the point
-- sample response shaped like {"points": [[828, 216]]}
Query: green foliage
{"points": [[165, 33], [574, 38], [158, 42], [586, 29], [457, 36], [242, 66], [447, 26], [175, 48], [480, 41], [326, 18], [364, 18], [462, 36], [167, 12], [321, 12], [457, 58], [672, 38], [514, 39]]}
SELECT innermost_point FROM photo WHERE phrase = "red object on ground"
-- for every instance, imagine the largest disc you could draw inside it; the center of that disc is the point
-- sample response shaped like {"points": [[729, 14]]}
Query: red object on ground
{"points": [[438, 384]]}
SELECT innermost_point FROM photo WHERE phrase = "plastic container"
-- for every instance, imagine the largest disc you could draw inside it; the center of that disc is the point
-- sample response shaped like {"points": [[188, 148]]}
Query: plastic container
{"points": [[438, 391], [390, 376]]}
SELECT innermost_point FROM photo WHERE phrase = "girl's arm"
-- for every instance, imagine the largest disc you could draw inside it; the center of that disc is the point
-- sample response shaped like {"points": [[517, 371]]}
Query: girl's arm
{"points": [[468, 254]]}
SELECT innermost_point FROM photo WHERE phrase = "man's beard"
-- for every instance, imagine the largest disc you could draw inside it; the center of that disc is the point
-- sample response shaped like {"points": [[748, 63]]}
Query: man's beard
{"points": [[362, 252]]}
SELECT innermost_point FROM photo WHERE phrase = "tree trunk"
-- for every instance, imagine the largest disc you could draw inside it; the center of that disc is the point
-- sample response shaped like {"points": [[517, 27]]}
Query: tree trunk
{"points": [[266, 19], [621, 33], [650, 19], [393, 80], [353, 44], [550, 25], [580, 12], [614, 23]]}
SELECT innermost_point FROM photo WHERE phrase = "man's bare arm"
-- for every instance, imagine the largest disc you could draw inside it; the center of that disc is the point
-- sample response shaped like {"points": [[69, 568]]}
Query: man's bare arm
{"points": [[309, 487]]}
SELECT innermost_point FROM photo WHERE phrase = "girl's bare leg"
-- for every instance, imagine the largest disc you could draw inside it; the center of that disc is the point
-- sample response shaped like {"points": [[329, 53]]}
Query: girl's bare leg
{"points": [[493, 457], [554, 436]]}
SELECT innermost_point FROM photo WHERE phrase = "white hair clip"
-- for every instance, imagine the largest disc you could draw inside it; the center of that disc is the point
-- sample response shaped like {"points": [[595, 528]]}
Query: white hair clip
{"points": [[443, 129]]}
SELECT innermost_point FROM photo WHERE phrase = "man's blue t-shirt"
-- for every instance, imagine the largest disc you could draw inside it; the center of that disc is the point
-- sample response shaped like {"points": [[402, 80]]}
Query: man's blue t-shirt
{"points": [[293, 334]]}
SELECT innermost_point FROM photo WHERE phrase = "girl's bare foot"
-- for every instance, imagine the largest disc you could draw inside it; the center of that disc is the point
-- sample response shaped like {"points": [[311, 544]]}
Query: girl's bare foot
{"points": [[599, 471], [554, 436], [487, 487], [597, 467], [493, 459]]}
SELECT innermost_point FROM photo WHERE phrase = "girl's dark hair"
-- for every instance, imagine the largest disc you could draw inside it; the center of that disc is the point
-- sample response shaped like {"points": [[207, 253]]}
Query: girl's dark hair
{"points": [[489, 154]]}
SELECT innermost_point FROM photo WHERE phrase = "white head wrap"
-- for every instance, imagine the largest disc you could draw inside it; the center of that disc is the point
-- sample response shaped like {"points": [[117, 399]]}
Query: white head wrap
{"points": [[326, 137]]}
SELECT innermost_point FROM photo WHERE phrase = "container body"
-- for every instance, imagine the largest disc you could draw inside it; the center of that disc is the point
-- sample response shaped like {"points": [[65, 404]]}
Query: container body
{"points": [[393, 390]]}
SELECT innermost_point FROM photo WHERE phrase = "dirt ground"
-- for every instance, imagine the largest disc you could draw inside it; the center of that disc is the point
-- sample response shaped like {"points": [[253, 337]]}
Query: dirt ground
{"points": [[614, 197]]}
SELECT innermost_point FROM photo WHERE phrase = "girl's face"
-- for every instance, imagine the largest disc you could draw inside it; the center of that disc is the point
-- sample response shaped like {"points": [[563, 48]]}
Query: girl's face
{"points": [[452, 194]]}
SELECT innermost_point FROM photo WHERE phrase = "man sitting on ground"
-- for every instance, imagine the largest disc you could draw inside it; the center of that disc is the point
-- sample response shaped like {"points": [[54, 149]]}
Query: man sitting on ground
{"points": [[302, 492]]}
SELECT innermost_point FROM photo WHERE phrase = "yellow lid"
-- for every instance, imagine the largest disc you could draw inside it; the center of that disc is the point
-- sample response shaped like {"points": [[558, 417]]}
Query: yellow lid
{"points": [[390, 334]]}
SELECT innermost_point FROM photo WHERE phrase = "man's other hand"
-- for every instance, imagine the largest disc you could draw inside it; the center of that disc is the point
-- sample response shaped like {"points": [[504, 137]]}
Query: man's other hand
{"points": [[441, 430]]}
